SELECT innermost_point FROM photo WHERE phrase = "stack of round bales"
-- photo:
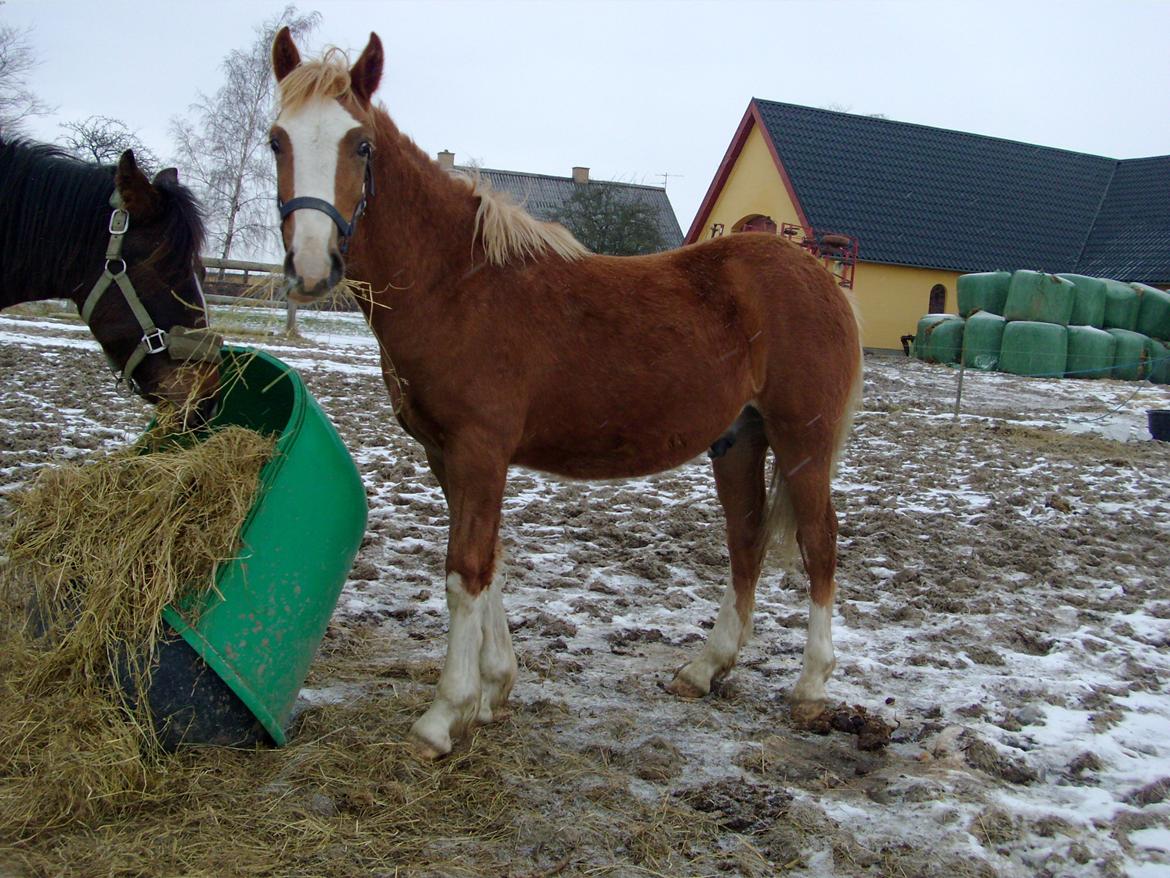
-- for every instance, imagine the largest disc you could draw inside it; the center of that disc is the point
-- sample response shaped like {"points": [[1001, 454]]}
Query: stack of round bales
{"points": [[1045, 325]]}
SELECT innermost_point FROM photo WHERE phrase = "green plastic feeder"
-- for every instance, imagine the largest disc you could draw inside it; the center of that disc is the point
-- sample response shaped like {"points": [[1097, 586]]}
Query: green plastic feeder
{"points": [[259, 629]]}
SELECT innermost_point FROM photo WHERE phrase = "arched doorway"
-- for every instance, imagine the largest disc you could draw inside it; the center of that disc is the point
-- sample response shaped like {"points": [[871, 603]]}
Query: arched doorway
{"points": [[938, 299], [756, 222]]}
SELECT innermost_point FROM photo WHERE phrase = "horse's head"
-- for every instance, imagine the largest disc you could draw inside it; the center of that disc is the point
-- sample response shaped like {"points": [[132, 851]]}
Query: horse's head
{"points": [[147, 309], [323, 140]]}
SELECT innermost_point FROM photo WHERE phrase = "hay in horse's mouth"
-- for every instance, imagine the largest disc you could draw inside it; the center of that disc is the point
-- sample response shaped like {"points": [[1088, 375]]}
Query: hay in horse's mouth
{"points": [[99, 549]]}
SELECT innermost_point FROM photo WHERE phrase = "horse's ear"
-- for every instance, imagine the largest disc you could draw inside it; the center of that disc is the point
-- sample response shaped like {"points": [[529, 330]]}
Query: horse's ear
{"points": [[365, 75], [285, 56], [167, 178], [138, 196]]}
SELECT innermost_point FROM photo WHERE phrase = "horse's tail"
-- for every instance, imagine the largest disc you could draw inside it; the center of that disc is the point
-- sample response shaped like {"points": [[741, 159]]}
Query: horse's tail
{"points": [[779, 532]]}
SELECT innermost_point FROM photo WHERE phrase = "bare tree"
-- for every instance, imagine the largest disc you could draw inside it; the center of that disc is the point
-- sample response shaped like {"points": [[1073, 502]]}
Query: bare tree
{"points": [[222, 150], [17, 101], [103, 140]]}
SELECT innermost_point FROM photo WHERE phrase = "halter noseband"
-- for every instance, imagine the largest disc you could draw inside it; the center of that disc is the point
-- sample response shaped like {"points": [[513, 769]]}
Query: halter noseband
{"points": [[345, 229], [180, 342]]}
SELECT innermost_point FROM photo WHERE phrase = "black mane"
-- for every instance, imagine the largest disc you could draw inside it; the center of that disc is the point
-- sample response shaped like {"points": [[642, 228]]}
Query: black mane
{"points": [[54, 218]]}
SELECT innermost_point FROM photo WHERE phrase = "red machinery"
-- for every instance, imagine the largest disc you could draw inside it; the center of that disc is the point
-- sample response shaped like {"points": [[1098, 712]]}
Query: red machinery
{"points": [[839, 252]]}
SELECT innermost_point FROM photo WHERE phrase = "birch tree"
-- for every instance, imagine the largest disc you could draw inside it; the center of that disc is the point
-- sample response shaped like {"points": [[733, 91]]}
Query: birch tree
{"points": [[17, 100], [222, 146]]}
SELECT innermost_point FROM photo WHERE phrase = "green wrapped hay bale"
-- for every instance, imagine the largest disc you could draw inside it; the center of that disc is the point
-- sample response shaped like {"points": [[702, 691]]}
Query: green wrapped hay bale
{"points": [[1131, 360], [944, 341], [982, 340], [986, 291], [1153, 318], [1039, 298], [926, 327], [1159, 362], [1088, 300], [1121, 306], [1090, 352], [1034, 348]]}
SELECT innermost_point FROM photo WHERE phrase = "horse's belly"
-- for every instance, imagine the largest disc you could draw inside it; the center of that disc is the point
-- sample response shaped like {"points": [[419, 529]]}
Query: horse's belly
{"points": [[606, 451]]}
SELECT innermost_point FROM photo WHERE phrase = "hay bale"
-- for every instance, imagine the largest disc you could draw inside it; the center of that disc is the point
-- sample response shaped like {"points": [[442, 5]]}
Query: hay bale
{"points": [[1039, 298], [1090, 352], [1121, 306], [1036, 349], [1153, 317], [925, 348], [982, 340], [99, 549], [1088, 300], [983, 292], [1130, 358]]}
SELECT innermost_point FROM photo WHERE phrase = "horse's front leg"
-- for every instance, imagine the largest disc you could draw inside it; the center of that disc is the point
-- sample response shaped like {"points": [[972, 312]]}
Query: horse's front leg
{"points": [[480, 666]]}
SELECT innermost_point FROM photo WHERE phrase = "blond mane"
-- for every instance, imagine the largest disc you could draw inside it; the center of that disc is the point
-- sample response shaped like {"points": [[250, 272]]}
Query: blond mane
{"points": [[325, 78], [509, 232]]}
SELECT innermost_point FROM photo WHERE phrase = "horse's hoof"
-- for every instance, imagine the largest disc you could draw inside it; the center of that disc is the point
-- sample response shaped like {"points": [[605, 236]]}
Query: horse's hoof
{"points": [[424, 746], [425, 752], [804, 712], [681, 687]]}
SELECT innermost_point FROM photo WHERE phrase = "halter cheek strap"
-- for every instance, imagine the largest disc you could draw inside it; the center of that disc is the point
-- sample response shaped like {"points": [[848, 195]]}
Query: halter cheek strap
{"points": [[180, 343]]}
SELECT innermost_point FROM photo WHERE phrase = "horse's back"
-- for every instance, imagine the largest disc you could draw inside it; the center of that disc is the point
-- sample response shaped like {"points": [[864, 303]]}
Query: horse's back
{"points": [[644, 361]]}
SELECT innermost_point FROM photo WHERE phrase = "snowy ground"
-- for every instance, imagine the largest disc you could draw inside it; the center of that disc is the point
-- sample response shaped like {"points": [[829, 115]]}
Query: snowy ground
{"points": [[1004, 600]]}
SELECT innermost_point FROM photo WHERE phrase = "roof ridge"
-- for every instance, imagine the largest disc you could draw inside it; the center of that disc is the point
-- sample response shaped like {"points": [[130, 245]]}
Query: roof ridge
{"points": [[558, 177], [1097, 212], [879, 119]]}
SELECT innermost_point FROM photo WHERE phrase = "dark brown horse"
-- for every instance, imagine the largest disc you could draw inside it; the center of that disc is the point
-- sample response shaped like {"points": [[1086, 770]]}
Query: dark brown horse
{"points": [[125, 250], [506, 343]]}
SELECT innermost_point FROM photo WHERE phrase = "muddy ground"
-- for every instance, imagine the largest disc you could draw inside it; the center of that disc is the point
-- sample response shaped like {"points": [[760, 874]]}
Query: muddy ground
{"points": [[1004, 607]]}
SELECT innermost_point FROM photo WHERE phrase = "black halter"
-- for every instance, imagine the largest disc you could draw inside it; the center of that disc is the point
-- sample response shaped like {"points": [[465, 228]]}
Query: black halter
{"points": [[345, 229]]}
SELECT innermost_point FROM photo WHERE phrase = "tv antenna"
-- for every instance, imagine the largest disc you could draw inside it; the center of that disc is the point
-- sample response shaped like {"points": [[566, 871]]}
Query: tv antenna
{"points": [[666, 175]]}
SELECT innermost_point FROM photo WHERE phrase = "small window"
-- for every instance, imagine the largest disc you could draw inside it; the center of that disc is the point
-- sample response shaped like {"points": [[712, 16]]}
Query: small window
{"points": [[938, 299]]}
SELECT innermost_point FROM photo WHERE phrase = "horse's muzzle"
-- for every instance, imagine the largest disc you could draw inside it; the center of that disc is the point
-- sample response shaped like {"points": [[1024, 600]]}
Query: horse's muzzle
{"points": [[302, 288]]}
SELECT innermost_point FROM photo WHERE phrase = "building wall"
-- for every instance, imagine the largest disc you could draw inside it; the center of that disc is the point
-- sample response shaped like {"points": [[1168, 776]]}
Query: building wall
{"points": [[891, 298], [753, 187]]}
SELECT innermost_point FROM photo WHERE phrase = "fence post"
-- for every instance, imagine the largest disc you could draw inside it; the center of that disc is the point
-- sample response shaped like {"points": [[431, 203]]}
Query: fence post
{"points": [[962, 370]]}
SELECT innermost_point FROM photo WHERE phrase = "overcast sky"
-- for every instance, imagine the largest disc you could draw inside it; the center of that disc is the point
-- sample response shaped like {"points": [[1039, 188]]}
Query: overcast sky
{"points": [[635, 90]]}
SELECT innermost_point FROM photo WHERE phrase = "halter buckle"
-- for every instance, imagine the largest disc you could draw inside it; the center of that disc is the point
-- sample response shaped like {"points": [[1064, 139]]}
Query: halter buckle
{"points": [[119, 221], [155, 341]]}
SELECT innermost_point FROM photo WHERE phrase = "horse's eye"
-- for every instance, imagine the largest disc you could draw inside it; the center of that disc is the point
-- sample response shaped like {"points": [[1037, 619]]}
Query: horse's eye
{"points": [[275, 144], [364, 149]]}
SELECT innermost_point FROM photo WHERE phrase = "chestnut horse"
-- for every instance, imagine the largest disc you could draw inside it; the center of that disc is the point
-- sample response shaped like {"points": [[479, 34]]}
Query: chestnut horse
{"points": [[125, 250], [505, 343]]}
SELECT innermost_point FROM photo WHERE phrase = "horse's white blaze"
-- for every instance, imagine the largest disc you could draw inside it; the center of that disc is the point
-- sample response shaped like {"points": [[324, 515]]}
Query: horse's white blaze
{"points": [[818, 654], [315, 135], [458, 699]]}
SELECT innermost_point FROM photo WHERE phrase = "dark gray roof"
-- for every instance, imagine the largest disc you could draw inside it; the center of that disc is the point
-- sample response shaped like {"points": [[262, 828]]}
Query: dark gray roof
{"points": [[922, 196], [544, 196], [1131, 237]]}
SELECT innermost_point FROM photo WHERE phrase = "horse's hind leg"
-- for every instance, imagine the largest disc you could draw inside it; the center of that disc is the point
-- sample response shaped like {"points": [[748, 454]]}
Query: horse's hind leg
{"points": [[739, 481], [807, 471]]}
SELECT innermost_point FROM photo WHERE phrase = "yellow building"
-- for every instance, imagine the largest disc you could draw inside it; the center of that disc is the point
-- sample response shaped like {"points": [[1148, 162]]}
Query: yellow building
{"points": [[899, 211]]}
